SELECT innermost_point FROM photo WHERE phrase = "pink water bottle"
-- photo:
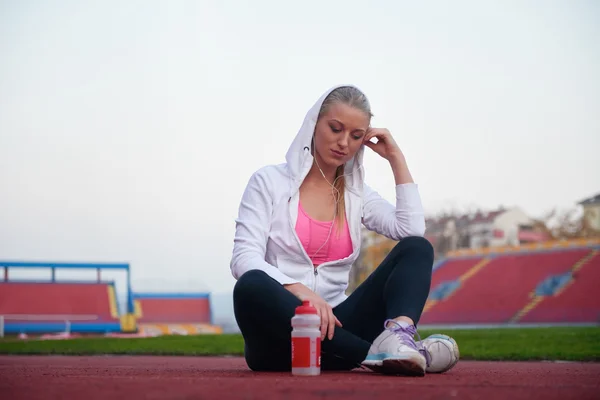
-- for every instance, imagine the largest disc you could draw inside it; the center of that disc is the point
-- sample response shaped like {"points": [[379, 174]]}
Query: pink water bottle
{"points": [[306, 341]]}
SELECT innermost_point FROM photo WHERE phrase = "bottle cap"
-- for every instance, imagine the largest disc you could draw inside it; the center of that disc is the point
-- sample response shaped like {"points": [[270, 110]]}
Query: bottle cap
{"points": [[306, 308]]}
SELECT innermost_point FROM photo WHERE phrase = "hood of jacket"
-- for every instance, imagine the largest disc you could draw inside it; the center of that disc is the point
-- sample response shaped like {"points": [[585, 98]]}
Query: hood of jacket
{"points": [[299, 155]]}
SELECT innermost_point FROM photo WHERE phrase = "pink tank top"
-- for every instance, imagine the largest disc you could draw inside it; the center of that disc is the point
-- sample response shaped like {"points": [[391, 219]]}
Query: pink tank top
{"points": [[313, 234]]}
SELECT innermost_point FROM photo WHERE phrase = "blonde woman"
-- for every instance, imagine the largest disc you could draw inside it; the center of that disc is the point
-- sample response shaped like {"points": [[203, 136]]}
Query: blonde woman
{"points": [[298, 233]]}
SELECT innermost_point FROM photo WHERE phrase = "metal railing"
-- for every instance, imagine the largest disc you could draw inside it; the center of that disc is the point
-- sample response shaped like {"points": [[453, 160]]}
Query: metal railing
{"points": [[66, 318]]}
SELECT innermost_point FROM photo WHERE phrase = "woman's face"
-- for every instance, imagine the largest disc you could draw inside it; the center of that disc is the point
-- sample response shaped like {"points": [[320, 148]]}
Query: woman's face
{"points": [[339, 134]]}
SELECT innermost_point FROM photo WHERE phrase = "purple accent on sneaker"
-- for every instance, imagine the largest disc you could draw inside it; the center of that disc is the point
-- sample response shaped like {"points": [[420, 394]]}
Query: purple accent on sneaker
{"points": [[407, 335]]}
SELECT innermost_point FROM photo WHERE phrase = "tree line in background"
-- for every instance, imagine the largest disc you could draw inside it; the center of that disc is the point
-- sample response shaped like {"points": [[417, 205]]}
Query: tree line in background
{"points": [[566, 224], [556, 224]]}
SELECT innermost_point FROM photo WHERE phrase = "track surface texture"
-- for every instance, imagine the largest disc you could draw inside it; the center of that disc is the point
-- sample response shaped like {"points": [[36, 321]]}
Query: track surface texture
{"points": [[141, 377]]}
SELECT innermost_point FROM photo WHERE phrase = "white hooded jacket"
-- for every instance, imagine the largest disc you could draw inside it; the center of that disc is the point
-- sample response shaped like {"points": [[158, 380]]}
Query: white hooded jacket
{"points": [[265, 236]]}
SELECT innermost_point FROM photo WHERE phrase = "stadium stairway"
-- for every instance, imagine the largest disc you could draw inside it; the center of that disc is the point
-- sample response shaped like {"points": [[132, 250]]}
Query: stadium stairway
{"points": [[545, 306]]}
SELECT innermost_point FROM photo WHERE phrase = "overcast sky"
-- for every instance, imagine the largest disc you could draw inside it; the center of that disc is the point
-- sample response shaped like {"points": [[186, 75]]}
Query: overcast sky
{"points": [[129, 129]]}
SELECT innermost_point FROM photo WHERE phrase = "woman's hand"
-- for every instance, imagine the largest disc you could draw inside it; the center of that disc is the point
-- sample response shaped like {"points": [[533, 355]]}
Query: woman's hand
{"points": [[386, 146], [328, 319]]}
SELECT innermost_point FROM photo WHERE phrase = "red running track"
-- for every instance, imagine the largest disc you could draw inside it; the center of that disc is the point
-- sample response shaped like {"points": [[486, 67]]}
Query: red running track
{"points": [[124, 377]]}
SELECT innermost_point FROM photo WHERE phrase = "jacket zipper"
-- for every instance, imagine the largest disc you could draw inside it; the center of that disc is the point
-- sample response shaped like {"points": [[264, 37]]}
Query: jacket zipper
{"points": [[302, 247], [315, 269]]}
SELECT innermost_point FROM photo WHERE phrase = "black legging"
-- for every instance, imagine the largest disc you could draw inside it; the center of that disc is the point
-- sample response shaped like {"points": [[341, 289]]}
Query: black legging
{"points": [[398, 287]]}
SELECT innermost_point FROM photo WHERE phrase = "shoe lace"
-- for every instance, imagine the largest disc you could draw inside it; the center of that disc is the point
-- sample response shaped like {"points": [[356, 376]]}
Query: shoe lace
{"points": [[407, 335]]}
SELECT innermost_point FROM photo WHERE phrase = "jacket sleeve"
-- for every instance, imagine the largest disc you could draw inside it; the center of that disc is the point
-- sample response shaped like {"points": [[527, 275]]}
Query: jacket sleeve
{"points": [[252, 232], [407, 218]]}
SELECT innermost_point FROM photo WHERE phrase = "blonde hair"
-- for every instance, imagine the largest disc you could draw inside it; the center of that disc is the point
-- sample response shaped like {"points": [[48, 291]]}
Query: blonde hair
{"points": [[352, 97], [340, 206]]}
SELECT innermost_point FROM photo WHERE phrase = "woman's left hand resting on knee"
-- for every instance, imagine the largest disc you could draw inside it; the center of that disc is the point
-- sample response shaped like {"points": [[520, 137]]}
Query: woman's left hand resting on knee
{"points": [[328, 319]]}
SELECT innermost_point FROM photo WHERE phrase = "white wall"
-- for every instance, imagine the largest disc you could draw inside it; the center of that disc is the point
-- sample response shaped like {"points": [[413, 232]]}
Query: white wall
{"points": [[509, 222], [591, 213]]}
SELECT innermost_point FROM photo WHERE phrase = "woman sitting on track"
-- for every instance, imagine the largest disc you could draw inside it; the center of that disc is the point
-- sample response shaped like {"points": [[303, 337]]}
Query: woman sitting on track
{"points": [[298, 233]]}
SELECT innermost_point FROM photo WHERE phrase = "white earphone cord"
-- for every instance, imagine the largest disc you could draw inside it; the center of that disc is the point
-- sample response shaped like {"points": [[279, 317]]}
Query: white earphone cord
{"points": [[337, 199]]}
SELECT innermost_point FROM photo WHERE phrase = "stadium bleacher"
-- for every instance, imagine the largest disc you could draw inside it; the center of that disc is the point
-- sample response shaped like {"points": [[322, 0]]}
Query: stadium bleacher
{"points": [[446, 278], [576, 301], [168, 313], [64, 307], [55, 307], [453, 269], [548, 286], [51, 306]]}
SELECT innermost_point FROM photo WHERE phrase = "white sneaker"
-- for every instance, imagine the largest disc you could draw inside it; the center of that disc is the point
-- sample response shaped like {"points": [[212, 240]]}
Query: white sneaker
{"points": [[395, 352], [441, 352]]}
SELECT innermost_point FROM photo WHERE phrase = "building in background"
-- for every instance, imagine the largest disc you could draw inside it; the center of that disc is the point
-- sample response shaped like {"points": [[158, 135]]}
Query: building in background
{"points": [[502, 227], [591, 215]]}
